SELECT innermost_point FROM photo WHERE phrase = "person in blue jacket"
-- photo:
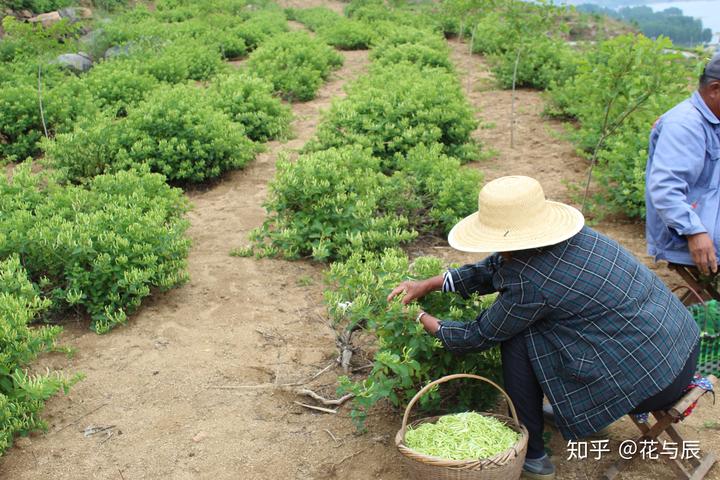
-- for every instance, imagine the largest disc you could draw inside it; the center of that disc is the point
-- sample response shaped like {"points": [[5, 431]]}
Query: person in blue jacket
{"points": [[682, 194], [578, 318]]}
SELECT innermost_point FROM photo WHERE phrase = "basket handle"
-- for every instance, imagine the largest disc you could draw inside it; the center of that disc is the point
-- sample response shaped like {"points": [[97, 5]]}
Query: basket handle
{"points": [[447, 378], [690, 290], [702, 302]]}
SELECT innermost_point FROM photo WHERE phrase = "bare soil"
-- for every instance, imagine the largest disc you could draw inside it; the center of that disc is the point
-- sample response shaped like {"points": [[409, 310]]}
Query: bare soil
{"points": [[188, 389]]}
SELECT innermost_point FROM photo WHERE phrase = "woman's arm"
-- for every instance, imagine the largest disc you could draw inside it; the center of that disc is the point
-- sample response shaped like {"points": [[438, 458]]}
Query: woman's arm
{"points": [[416, 290], [475, 278]]}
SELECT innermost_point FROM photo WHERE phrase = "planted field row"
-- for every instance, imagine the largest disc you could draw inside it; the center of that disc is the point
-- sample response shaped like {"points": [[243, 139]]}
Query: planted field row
{"points": [[385, 166], [333, 28]]}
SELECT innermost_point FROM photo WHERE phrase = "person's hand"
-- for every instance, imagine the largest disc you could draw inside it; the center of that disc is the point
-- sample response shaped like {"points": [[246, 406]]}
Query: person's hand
{"points": [[702, 251], [416, 290], [412, 290]]}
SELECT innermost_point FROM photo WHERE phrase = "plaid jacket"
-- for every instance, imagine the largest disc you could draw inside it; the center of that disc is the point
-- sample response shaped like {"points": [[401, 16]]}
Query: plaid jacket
{"points": [[603, 332]]}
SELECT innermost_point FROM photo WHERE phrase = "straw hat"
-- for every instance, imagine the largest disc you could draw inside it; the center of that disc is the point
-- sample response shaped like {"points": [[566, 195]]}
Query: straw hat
{"points": [[513, 214]]}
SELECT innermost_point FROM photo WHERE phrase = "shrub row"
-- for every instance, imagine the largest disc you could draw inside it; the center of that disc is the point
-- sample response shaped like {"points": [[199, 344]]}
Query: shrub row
{"points": [[406, 44], [150, 52], [407, 357], [176, 132], [397, 107], [22, 395], [100, 247], [334, 29], [295, 64], [385, 166]]}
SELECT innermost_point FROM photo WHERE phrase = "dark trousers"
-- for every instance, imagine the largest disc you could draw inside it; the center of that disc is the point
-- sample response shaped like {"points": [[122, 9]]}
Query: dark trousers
{"points": [[527, 396]]}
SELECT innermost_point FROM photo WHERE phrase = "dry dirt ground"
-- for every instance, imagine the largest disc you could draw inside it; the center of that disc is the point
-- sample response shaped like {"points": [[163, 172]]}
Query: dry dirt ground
{"points": [[188, 389]]}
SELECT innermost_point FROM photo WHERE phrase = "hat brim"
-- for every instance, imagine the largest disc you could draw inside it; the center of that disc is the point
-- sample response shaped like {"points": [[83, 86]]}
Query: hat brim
{"points": [[561, 222]]}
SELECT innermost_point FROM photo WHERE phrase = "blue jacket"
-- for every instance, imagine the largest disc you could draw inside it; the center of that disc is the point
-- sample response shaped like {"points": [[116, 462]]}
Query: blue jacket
{"points": [[682, 194], [603, 332]]}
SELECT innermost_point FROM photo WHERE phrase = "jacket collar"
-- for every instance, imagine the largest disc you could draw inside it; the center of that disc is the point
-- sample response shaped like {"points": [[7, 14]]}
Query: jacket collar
{"points": [[702, 107]]}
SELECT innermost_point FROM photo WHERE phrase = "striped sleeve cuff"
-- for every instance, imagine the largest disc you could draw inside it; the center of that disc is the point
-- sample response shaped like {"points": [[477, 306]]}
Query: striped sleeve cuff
{"points": [[448, 284]]}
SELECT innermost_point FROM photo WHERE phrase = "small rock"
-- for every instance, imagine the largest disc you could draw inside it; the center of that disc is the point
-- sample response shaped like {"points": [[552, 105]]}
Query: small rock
{"points": [[46, 19], [79, 62], [200, 437], [26, 14], [118, 51], [75, 14], [23, 442]]}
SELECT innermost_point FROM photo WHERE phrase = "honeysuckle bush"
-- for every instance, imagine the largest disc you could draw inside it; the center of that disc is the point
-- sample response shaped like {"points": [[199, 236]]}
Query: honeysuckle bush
{"points": [[23, 394], [116, 86], [542, 61], [295, 64], [100, 248], [501, 25], [180, 61], [38, 6], [333, 28], [233, 30], [23, 41], [313, 18], [621, 87], [65, 101], [397, 107], [177, 131], [409, 44], [407, 357], [248, 100], [330, 203], [447, 190]]}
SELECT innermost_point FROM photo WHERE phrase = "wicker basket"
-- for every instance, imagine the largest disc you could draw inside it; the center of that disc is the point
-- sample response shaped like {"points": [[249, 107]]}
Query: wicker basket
{"points": [[506, 465]]}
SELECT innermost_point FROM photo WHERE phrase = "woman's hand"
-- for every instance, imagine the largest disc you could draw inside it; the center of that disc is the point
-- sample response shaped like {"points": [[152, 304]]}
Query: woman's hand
{"points": [[416, 290]]}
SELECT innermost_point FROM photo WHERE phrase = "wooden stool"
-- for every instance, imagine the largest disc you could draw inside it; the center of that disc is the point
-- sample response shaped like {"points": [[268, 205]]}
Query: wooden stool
{"points": [[664, 424], [696, 287]]}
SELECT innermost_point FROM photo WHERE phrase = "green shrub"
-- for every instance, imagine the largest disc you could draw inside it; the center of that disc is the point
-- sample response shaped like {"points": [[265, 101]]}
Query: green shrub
{"points": [[37, 6], [248, 101], [495, 34], [179, 61], [397, 107], [313, 18], [176, 132], [448, 191], [295, 64], [261, 26], [102, 247], [409, 44], [28, 41], [333, 202], [21, 127], [621, 173], [407, 357], [330, 203], [543, 61], [334, 29], [347, 35], [22, 395], [116, 86], [621, 87]]}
